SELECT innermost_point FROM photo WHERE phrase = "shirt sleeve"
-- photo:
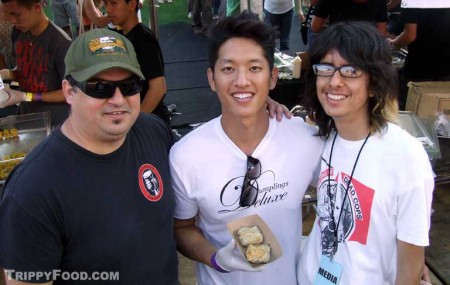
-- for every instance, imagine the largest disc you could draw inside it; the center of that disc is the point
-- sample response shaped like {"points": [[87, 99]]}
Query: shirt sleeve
{"points": [[414, 200]]}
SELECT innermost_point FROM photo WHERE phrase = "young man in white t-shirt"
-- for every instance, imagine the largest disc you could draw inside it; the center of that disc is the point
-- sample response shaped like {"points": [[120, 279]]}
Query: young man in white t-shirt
{"points": [[242, 163]]}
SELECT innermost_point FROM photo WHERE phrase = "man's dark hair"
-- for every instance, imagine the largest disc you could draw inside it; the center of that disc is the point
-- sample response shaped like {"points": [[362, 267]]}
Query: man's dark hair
{"points": [[245, 25], [23, 3]]}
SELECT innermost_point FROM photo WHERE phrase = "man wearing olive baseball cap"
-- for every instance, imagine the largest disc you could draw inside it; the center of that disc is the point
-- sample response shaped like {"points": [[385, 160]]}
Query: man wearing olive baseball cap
{"points": [[95, 197]]}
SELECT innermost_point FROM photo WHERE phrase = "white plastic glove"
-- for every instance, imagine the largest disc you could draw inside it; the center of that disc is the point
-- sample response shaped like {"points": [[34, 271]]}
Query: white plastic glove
{"points": [[230, 259], [15, 97]]}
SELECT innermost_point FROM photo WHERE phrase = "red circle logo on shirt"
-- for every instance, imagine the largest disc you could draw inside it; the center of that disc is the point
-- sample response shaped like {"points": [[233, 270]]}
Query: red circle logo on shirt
{"points": [[150, 182]]}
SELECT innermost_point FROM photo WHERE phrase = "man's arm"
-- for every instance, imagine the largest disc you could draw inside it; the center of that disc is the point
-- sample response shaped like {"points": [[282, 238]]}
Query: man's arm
{"points": [[408, 35], [156, 90], [382, 27], [192, 243], [94, 14], [16, 97], [391, 4], [410, 262], [317, 24]]}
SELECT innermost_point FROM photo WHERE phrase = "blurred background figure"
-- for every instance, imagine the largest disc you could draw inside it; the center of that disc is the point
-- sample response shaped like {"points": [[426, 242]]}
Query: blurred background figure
{"points": [[279, 14], [202, 14], [91, 14], [426, 36], [6, 56], [395, 26], [374, 11], [39, 49], [65, 16], [307, 9]]}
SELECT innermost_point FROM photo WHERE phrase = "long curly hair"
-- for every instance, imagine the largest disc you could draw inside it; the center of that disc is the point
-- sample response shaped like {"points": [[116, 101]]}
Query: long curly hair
{"points": [[361, 45]]}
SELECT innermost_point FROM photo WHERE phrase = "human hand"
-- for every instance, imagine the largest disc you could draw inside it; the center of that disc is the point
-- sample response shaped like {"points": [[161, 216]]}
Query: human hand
{"points": [[277, 109], [425, 276], [14, 97], [5, 74], [229, 258], [301, 17]]}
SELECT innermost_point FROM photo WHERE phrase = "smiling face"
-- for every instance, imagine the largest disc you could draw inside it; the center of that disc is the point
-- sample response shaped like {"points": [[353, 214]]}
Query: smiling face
{"points": [[242, 78], [346, 100], [102, 120]]}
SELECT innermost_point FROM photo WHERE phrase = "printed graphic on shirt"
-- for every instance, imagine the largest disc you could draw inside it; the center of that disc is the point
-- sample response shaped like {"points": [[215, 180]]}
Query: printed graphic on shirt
{"points": [[32, 61], [150, 182], [268, 188], [352, 215]]}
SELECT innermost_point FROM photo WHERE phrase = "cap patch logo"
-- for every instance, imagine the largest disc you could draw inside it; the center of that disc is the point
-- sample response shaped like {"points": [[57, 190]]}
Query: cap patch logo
{"points": [[107, 46], [150, 182]]}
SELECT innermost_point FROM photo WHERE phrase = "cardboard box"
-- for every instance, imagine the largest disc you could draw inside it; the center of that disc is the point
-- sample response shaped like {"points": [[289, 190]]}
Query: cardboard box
{"points": [[426, 98], [269, 237]]}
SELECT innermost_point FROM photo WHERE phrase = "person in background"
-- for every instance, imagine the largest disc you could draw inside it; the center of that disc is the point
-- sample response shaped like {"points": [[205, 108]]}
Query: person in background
{"points": [[395, 26], [374, 11], [427, 39], [242, 163], [91, 15], [65, 15], [202, 15], [124, 14], [375, 178], [6, 55], [39, 50], [7, 60], [306, 19], [279, 14], [95, 196]]}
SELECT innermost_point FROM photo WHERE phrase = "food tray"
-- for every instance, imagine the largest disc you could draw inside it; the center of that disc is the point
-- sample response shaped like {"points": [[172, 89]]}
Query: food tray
{"points": [[32, 129], [269, 237]]}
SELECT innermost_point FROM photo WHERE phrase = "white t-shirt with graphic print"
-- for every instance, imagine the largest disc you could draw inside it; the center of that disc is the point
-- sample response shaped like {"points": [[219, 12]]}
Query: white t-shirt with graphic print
{"points": [[208, 171], [389, 198]]}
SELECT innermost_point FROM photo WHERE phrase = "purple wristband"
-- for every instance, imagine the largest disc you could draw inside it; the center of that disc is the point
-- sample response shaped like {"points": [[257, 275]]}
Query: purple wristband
{"points": [[216, 266], [37, 96]]}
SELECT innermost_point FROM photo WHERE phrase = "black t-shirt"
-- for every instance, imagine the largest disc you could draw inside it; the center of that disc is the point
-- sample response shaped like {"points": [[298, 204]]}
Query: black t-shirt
{"points": [[429, 55], [352, 10], [72, 210], [150, 59]]}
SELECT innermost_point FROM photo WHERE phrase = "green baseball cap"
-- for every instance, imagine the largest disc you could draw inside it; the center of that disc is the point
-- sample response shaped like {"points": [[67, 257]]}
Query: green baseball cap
{"points": [[98, 50]]}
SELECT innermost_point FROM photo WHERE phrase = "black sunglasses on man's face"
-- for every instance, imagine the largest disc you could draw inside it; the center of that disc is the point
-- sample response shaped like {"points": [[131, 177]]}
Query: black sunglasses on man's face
{"points": [[104, 89]]}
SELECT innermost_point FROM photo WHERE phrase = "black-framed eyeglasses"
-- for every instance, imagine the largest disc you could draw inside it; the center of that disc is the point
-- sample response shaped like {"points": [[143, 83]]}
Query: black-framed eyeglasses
{"points": [[250, 188], [328, 70], [103, 89]]}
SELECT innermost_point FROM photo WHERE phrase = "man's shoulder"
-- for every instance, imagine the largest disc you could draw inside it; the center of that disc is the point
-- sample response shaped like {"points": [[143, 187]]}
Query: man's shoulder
{"points": [[55, 31], [151, 125], [141, 31]]}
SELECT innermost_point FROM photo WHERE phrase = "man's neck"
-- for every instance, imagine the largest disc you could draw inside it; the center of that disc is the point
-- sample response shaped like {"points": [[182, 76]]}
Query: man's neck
{"points": [[128, 25], [43, 24], [246, 133]]}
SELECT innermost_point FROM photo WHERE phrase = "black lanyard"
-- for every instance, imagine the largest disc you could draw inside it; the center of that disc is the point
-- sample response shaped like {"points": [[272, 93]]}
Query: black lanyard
{"points": [[336, 225]]}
